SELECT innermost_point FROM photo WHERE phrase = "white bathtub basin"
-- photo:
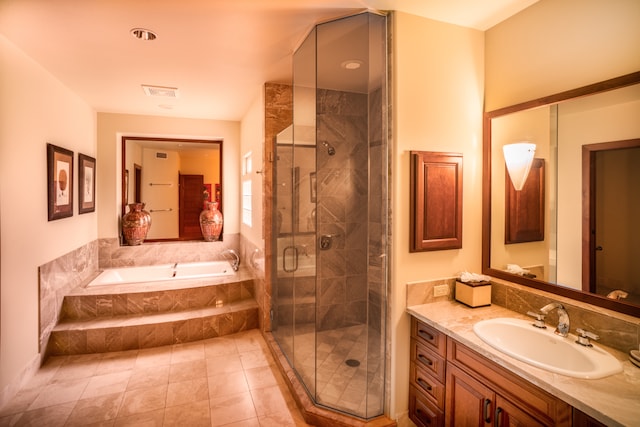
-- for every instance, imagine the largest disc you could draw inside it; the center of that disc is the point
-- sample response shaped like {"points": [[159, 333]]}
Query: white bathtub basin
{"points": [[546, 350], [163, 272]]}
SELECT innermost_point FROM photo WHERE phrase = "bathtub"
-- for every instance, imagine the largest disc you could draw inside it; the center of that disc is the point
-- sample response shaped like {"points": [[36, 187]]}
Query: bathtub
{"points": [[163, 272]]}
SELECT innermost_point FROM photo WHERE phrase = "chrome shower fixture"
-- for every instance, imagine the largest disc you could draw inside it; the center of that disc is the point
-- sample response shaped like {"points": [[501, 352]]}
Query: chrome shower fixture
{"points": [[330, 148]]}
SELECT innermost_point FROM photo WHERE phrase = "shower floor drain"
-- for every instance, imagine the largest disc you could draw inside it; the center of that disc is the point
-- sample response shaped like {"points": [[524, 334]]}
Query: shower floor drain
{"points": [[353, 363]]}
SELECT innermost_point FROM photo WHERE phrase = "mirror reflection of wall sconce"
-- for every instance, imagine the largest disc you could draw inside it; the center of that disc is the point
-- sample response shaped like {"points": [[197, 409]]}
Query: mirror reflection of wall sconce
{"points": [[519, 157]]}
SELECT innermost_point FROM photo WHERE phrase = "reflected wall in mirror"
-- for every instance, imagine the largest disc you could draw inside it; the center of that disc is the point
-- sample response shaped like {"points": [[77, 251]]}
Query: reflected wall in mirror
{"points": [[297, 208], [562, 126], [173, 177]]}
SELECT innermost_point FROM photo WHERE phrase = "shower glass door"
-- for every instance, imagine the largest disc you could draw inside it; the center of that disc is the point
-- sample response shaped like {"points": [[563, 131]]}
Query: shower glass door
{"points": [[294, 290], [330, 294]]}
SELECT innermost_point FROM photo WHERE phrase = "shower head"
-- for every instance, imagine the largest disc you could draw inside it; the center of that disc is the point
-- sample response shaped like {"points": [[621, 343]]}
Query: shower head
{"points": [[330, 148]]}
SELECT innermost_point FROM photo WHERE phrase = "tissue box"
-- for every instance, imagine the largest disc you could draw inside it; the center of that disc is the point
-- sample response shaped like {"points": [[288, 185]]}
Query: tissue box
{"points": [[474, 294]]}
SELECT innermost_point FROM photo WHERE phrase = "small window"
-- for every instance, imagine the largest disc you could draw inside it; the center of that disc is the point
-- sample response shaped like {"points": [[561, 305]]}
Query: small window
{"points": [[246, 202], [246, 164], [246, 189]]}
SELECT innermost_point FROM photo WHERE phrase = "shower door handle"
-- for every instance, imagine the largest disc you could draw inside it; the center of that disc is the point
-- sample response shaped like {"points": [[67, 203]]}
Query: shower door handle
{"points": [[295, 259]]}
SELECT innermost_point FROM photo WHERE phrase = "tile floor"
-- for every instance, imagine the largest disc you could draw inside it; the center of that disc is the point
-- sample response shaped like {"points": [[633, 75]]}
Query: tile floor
{"points": [[323, 355], [228, 381], [321, 360]]}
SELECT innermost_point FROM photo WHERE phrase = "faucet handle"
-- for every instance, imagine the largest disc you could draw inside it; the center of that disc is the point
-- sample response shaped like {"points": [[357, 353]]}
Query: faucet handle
{"points": [[584, 336], [539, 322]]}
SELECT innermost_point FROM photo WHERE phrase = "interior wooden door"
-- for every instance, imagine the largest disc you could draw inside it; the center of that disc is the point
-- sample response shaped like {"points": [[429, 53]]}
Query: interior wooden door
{"points": [[191, 204], [610, 211]]}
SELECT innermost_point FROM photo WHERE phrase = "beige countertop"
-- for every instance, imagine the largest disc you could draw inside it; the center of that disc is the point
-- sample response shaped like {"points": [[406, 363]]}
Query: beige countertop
{"points": [[614, 400]]}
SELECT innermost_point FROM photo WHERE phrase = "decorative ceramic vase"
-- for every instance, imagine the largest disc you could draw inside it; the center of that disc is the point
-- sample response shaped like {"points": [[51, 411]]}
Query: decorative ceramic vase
{"points": [[136, 224], [211, 222]]}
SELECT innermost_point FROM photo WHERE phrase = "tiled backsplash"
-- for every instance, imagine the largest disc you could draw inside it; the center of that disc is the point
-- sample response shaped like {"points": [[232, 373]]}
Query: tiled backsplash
{"points": [[616, 330]]}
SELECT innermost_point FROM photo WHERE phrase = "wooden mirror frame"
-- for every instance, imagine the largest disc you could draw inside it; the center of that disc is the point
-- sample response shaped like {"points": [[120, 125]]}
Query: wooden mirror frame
{"points": [[589, 298]]}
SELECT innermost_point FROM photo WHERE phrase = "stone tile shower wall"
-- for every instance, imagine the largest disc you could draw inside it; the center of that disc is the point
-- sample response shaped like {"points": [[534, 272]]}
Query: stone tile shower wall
{"points": [[278, 116], [341, 121], [378, 213]]}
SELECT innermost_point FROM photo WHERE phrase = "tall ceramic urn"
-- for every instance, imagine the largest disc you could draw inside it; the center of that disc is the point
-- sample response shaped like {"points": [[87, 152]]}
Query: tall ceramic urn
{"points": [[136, 224], [211, 221]]}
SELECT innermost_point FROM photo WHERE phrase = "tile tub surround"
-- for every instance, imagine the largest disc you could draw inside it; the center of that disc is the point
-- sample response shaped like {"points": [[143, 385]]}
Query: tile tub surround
{"points": [[616, 330], [59, 277], [144, 315], [614, 400], [112, 255], [225, 380]]}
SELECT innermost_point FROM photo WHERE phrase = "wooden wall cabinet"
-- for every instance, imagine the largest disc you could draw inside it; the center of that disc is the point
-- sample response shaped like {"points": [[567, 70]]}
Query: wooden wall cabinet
{"points": [[524, 209], [436, 201]]}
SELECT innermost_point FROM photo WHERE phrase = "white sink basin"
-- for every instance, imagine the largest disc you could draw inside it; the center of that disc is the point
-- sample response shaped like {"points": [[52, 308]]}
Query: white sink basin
{"points": [[544, 349]]}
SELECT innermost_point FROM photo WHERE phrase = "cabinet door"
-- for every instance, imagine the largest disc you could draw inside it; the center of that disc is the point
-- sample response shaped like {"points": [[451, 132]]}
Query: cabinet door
{"points": [[436, 201], [469, 402], [508, 414]]}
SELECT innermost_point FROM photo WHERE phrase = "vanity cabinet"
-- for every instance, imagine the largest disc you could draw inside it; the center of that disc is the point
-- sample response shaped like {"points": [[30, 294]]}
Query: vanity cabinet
{"points": [[427, 370], [480, 392], [452, 385]]}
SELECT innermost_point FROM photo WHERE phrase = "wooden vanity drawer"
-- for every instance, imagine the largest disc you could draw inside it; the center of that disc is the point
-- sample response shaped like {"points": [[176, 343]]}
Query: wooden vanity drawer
{"points": [[429, 336], [422, 411], [427, 384], [428, 360]]}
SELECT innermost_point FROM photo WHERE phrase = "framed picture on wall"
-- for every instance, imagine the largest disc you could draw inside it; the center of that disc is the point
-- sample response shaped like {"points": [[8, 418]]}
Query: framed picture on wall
{"points": [[86, 184], [59, 182]]}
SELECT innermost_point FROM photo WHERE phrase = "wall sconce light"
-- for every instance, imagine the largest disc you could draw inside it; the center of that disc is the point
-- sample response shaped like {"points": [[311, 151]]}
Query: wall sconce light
{"points": [[519, 157]]}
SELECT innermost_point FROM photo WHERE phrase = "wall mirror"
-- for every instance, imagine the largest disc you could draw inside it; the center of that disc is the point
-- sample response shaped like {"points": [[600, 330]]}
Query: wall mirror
{"points": [[585, 138], [173, 177]]}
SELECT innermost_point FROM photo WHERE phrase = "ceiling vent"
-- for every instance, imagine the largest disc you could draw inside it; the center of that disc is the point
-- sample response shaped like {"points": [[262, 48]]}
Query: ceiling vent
{"points": [[160, 91]]}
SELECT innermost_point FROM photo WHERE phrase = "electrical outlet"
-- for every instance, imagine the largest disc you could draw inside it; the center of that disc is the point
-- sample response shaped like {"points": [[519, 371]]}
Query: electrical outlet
{"points": [[440, 290]]}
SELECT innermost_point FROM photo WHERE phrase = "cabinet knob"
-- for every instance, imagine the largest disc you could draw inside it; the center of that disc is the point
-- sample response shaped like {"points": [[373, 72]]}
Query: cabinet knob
{"points": [[425, 360], [426, 335], [424, 384]]}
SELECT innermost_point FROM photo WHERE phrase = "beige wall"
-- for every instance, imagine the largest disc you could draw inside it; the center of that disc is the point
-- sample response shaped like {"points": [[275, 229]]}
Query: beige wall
{"points": [[111, 127], [252, 137], [578, 124], [553, 46], [35, 109], [437, 106], [203, 162]]}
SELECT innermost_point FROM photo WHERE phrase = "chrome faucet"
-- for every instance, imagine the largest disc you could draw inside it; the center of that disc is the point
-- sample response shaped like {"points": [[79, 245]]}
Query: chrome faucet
{"points": [[235, 264], [563, 318]]}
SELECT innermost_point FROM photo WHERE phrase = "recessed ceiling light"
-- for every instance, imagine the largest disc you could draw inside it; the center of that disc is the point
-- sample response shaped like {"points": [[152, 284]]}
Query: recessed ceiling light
{"points": [[351, 64], [143, 34]]}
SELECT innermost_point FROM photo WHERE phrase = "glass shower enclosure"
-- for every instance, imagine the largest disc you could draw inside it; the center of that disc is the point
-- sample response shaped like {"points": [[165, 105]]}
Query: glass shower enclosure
{"points": [[330, 217]]}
